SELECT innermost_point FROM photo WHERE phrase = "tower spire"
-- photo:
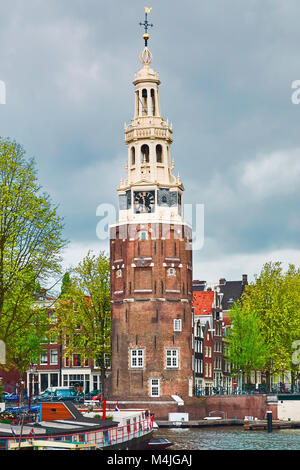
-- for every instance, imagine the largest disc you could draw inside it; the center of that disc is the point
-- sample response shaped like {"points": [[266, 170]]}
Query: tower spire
{"points": [[146, 25]]}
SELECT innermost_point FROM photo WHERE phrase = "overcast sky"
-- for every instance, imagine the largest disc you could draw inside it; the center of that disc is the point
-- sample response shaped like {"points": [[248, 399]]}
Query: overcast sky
{"points": [[226, 68]]}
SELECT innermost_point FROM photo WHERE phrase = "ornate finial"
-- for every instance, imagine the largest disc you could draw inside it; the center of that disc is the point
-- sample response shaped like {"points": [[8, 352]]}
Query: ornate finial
{"points": [[146, 25], [146, 57]]}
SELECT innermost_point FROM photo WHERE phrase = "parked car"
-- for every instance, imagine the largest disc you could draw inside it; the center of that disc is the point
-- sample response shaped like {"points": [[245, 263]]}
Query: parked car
{"points": [[4, 396], [58, 394], [15, 397], [93, 395]]}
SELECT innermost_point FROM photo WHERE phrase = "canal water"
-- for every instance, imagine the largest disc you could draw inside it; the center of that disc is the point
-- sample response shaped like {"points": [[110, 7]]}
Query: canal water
{"points": [[230, 438]]}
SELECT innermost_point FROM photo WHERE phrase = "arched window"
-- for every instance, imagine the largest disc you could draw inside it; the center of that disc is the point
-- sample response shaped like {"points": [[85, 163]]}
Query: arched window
{"points": [[145, 103], [132, 155], [145, 154], [159, 153], [153, 102]]}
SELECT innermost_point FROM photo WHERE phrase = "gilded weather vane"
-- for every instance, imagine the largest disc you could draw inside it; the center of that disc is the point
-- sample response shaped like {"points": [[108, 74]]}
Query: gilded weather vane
{"points": [[146, 25]]}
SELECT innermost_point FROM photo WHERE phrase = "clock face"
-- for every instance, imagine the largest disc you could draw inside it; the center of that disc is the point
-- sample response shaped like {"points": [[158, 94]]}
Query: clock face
{"points": [[144, 202]]}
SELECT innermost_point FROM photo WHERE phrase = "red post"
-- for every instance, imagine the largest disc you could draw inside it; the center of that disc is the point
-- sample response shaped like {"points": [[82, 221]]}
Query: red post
{"points": [[104, 409]]}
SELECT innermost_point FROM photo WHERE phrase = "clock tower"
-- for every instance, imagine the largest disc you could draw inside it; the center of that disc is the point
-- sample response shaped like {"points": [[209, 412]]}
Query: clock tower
{"points": [[151, 257]]}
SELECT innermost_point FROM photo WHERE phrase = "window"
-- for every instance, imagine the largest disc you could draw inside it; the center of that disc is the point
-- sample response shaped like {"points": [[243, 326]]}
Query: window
{"points": [[119, 273], [143, 236], [153, 102], [172, 358], [132, 156], [145, 154], [177, 324], [137, 358], [171, 272], [155, 387], [107, 360], [159, 154], [53, 356], [53, 339], [76, 360], [44, 358], [53, 380], [145, 104]]}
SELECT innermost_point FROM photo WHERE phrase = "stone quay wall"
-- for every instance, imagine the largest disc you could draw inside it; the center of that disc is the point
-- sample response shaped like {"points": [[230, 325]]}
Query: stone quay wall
{"points": [[230, 407]]}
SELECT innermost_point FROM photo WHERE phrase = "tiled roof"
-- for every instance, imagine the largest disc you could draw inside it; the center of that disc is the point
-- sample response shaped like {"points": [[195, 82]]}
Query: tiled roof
{"points": [[232, 291], [202, 301], [199, 285]]}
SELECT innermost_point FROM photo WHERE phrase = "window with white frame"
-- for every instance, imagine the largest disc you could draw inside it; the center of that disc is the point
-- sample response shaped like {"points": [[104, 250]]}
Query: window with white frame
{"points": [[177, 324], [44, 358], [119, 273], [155, 387], [137, 358], [172, 357], [53, 357]]}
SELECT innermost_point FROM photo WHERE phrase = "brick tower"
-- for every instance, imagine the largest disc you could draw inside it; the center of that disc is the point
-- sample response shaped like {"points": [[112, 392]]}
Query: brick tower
{"points": [[151, 258]]}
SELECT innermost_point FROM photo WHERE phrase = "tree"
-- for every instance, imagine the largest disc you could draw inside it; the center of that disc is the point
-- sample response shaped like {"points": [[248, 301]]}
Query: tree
{"points": [[84, 312], [274, 300], [30, 240], [65, 284], [247, 350], [27, 344]]}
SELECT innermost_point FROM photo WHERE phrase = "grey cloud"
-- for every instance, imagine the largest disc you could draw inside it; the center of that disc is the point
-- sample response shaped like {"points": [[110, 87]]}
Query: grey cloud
{"points": [[226, 71]]}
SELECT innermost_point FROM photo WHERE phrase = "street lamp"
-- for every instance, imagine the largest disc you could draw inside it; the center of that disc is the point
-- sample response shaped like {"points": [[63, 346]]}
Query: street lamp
{"points": [[241, 380], [31, 376]]}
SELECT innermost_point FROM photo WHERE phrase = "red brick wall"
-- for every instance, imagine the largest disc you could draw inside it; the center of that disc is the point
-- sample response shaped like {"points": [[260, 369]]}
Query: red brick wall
{"points": [[241, 406], [199, 408], [146, 321]]}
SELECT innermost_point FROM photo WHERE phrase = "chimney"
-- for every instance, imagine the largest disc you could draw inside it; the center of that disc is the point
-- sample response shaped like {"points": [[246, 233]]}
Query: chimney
{"points": [[222, 282], [245, 279]]}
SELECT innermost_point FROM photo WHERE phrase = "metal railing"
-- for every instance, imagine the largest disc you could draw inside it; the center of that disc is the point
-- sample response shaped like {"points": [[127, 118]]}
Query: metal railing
{"points": [[225, 391], [247, 390], [100, 438]]}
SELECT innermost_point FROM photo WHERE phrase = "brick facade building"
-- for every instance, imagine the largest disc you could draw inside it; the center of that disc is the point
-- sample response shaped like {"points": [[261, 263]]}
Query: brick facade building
{"points": [[151, 259]]}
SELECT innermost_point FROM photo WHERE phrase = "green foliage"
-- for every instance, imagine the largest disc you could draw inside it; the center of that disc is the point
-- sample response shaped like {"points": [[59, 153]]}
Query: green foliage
{"points": [[30, 246], [66, 284], [84, 311], [247, 348], [267, 320]]}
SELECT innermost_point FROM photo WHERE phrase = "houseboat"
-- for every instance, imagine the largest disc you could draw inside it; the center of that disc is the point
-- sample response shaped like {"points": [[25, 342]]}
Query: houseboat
{"points": [[62, 423]]}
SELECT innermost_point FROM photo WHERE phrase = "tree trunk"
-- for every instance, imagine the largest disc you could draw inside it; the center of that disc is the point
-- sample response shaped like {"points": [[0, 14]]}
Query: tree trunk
{"points": [[268, 377]]}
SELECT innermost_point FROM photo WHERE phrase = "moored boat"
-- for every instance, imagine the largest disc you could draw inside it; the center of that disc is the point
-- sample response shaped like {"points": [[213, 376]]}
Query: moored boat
{"points": [[63, 423]]}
